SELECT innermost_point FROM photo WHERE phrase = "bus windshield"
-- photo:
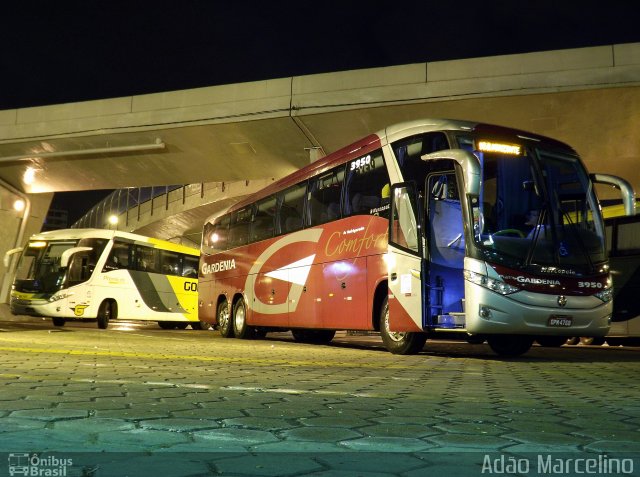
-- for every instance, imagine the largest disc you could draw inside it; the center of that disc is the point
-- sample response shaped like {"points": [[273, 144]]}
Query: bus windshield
{"points": [[536, 209], [39, 270]]}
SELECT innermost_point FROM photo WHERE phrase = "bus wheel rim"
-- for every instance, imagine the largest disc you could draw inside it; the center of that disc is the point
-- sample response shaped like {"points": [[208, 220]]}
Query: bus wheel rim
{"points": [[223, 318], [396, 336], [239, 319]]}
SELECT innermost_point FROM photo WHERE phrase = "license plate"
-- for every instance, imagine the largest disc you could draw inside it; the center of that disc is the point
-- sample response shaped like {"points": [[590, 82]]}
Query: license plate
{"points": [[560, 321]]}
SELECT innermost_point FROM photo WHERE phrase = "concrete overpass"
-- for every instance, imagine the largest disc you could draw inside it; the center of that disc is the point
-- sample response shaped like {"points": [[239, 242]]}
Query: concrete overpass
{"points": [[588, 97]]}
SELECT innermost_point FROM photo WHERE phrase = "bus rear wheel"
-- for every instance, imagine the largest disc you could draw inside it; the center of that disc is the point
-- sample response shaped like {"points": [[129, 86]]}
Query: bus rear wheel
{"points": [[105, 313], [240, 328], [224, 320], [510, 346], [403, 342]]}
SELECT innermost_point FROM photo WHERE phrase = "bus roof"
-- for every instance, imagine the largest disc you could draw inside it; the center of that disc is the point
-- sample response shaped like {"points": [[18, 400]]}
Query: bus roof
{"points": [[374, 141], [75, 234]]}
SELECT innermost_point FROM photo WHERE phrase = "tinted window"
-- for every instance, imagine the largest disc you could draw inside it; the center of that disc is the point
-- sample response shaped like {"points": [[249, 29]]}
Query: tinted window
{"points": [[367, 186], [263, 225], [214, 235], [290, 207], [239, 227], [83, 263], [169, 262], [119, 257], [190, 266], [324, 197], [146, 259], [409, 151]]}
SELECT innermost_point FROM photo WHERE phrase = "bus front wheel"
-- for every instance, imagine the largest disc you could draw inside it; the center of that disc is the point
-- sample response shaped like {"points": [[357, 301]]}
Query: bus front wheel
{"points": [[104, 314], [551, 341], [403, 342], [510, 345], [58, 321]]}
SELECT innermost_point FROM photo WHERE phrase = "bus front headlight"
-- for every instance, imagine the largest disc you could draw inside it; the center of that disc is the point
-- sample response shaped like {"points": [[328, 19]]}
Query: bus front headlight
{"points": [[605, 295], [58, 297], [492, 284]]}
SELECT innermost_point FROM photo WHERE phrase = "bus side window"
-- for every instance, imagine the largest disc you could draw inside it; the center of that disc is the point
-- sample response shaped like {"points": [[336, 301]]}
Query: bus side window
{"points": [[289, 215], [215, 235], [239, 227], [325, 193], [146, 259], [170, 262], [263, 224], [118, 257], [367, 189], [190, 266]]}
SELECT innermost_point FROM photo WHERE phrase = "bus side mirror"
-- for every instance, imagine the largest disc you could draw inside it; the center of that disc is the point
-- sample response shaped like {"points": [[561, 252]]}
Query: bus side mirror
{"points": [[469, 163], [626, 189], [66, 255], [7, 256]]}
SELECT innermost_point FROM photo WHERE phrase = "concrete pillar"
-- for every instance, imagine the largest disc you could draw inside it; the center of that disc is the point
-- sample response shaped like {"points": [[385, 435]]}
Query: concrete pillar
{"points": [[17, 226]]}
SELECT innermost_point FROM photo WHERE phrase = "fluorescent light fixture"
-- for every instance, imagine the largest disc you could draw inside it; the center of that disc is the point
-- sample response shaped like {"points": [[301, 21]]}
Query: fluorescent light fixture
{"points": [[81, 152]]}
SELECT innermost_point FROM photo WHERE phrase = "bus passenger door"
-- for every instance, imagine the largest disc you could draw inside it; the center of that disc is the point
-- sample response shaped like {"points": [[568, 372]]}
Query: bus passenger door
{"points": [[407, 269], [444, 232], [81, 267]]}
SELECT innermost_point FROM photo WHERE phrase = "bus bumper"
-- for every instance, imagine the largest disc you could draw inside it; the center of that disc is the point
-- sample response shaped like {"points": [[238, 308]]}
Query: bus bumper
{"points": [[34, 307], [529, 313]]}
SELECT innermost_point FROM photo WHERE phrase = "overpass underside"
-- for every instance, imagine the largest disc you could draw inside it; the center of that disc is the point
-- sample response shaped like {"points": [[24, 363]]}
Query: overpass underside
{"points": [[260, 131]]}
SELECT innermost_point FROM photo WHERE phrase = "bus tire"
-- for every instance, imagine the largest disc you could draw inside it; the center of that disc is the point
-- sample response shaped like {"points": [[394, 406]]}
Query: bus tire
{"points": [[259, 333], [200, 325], [166, 325], [104, 314], [240, 328], [476, 339], [313, 336], [404, 342], [510, 346], [551, 341], [57, 321], [224, 320]]}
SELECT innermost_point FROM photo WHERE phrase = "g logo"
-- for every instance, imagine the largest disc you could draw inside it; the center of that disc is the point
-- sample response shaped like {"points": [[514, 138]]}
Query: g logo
{"points": [[79, 310]]}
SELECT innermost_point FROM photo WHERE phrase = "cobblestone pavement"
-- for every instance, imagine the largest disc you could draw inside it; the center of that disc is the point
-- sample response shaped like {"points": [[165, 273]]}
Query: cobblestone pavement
{"points": [[137, 400]]}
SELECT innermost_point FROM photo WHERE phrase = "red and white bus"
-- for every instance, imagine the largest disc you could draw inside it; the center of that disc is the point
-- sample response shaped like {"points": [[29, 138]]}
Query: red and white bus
{"points": [[425, 227]]}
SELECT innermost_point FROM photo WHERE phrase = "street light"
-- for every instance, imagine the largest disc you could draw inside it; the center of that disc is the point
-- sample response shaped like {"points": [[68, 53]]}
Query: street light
{"points": [[113, 220], [19, 205]]}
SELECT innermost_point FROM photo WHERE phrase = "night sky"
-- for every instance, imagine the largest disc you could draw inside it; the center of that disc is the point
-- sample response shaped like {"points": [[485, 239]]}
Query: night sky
{"points": [[59, 51], [65, 51]]}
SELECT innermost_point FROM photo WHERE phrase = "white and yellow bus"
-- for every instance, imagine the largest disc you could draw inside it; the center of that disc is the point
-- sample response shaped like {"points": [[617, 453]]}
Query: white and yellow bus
{"points": [[95, 274]]}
